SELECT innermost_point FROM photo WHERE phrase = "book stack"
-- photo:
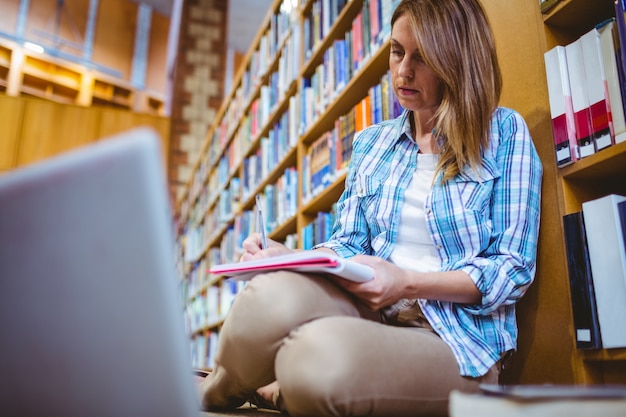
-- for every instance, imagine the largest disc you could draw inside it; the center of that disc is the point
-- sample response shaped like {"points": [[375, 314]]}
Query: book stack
{"points": [[585, 83], [544, 400], [595, 240]]}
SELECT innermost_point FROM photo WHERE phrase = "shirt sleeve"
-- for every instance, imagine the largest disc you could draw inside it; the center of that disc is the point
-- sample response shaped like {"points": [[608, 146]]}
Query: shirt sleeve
{"points": [[505, 270]]}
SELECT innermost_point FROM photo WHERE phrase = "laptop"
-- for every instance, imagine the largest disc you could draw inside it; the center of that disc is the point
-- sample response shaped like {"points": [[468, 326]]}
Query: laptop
{"points": [[91, 323]]}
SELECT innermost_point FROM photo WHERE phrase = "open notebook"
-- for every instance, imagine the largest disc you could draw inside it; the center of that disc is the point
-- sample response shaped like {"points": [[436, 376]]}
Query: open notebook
{"points": [[305, 261]]}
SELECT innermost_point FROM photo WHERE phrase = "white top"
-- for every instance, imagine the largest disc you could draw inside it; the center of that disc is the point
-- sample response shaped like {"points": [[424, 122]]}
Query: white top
{"points": [[414, 248]]}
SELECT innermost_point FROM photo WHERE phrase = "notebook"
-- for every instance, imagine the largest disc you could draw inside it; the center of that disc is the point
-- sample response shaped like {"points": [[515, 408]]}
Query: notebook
{"points": [[304, 261], [90, 315]]}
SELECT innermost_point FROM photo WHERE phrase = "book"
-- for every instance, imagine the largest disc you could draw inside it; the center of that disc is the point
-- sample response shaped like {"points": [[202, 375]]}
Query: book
{"points": [[541, 400], [609, 46], [608, 266], [595, 77], [580, 99], [620, 21], [303, 261], [621, 208], [561, 108], [584, 312]]}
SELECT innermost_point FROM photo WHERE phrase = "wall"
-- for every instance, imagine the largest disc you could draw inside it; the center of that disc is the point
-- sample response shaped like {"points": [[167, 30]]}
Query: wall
{"points": [[198, 84], [32, 129]]}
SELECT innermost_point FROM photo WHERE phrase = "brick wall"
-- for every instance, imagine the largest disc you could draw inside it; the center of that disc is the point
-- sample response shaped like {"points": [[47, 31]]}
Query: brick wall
{"points": [[198, 84]]}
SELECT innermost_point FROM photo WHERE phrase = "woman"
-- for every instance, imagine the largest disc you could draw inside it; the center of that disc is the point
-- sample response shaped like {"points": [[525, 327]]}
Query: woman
{"points": [[443, 204]]}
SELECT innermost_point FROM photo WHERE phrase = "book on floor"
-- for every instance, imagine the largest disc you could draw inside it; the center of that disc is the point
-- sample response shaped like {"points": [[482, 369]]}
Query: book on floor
{"points": [[540, 401]]}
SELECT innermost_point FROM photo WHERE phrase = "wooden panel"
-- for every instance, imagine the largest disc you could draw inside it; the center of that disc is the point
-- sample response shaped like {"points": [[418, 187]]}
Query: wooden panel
{"points": [[115, 35], [11, 111], [51, 128], [8, 17], [116, 121], [42, 27], [157, 55], [545, 333]]}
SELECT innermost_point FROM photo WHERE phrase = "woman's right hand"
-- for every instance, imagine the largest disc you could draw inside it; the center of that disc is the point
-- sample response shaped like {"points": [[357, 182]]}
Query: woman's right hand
{"points": [[253, 250]]}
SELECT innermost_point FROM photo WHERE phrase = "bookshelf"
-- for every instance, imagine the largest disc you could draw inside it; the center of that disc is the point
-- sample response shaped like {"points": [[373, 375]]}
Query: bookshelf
{"points": [[589, 178], [27, 73], [258, 144], [208, 234]]}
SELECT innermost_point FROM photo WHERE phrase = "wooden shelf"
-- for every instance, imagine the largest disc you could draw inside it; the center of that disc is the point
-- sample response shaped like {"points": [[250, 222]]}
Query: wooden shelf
{"points": [[581, 15], [55, 79], [569, 19], [605, 164], [592, 177], [604, 355]]}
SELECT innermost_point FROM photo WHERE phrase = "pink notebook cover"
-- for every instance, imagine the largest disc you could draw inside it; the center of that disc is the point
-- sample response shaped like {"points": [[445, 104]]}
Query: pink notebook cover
{"points": [[304, 261]]}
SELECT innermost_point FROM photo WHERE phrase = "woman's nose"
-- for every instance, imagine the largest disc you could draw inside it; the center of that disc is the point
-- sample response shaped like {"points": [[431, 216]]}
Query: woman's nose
{"points": [[406, 68]]}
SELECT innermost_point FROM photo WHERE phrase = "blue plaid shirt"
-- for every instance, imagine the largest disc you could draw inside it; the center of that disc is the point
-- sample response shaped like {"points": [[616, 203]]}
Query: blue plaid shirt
{"points": [[484, 223]]}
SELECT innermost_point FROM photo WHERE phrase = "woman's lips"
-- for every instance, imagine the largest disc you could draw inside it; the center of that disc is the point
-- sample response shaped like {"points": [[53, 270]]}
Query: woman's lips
{"points": [[407, 91]]}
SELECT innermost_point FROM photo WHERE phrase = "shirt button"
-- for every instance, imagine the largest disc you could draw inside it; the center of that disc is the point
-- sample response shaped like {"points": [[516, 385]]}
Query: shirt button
{"points": [[428, 210], [438, 247]]}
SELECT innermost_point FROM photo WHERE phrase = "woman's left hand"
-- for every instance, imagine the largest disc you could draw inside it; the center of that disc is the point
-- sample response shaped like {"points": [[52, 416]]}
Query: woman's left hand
{"points": [[389, 285]]}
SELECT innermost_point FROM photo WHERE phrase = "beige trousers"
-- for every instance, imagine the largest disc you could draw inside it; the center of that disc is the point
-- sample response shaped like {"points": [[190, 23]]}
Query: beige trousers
{"points": [[331, 355]]}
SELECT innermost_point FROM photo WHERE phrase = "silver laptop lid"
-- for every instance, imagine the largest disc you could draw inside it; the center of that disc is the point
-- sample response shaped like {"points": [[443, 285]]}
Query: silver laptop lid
{"points": [[90, 320]]}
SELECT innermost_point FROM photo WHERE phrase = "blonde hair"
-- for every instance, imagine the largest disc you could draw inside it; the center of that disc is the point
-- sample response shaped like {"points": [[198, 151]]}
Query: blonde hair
{"points": [[455, 41]]}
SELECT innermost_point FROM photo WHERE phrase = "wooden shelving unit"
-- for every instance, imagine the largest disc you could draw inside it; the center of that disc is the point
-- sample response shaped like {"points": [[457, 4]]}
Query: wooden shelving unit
{"points": [[237, 134], [592, 177], [50, 78]]}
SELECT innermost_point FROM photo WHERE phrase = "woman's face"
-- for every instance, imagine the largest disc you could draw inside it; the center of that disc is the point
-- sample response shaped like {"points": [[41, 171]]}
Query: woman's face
{"points": [[416, 86]]}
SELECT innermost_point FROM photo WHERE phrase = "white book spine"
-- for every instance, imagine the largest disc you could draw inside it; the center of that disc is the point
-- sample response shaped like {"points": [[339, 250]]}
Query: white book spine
{"points": [[595, 82], [608, 44], [608, 267], [580, 99], [561, 110]]}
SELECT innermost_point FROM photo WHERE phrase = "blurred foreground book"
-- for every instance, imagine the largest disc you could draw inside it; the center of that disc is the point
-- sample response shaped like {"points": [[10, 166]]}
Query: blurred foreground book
{"points": [[540, 401]]}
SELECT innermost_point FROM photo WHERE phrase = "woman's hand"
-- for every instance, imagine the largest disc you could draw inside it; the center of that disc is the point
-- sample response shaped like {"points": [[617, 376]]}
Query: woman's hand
{"points": [[392, 283], [389, 285], [253, 250]]}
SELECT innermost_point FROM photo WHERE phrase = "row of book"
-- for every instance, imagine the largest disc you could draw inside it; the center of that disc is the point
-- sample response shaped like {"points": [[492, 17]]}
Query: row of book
{"points": [[253, 104], [254, 99], [370, 27], [211, 306], [271, 152], [326, 160], [320, 229], [329, 155], [203, 348], [280, 203], [586, 84], [343, 59], [595, 241]]}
